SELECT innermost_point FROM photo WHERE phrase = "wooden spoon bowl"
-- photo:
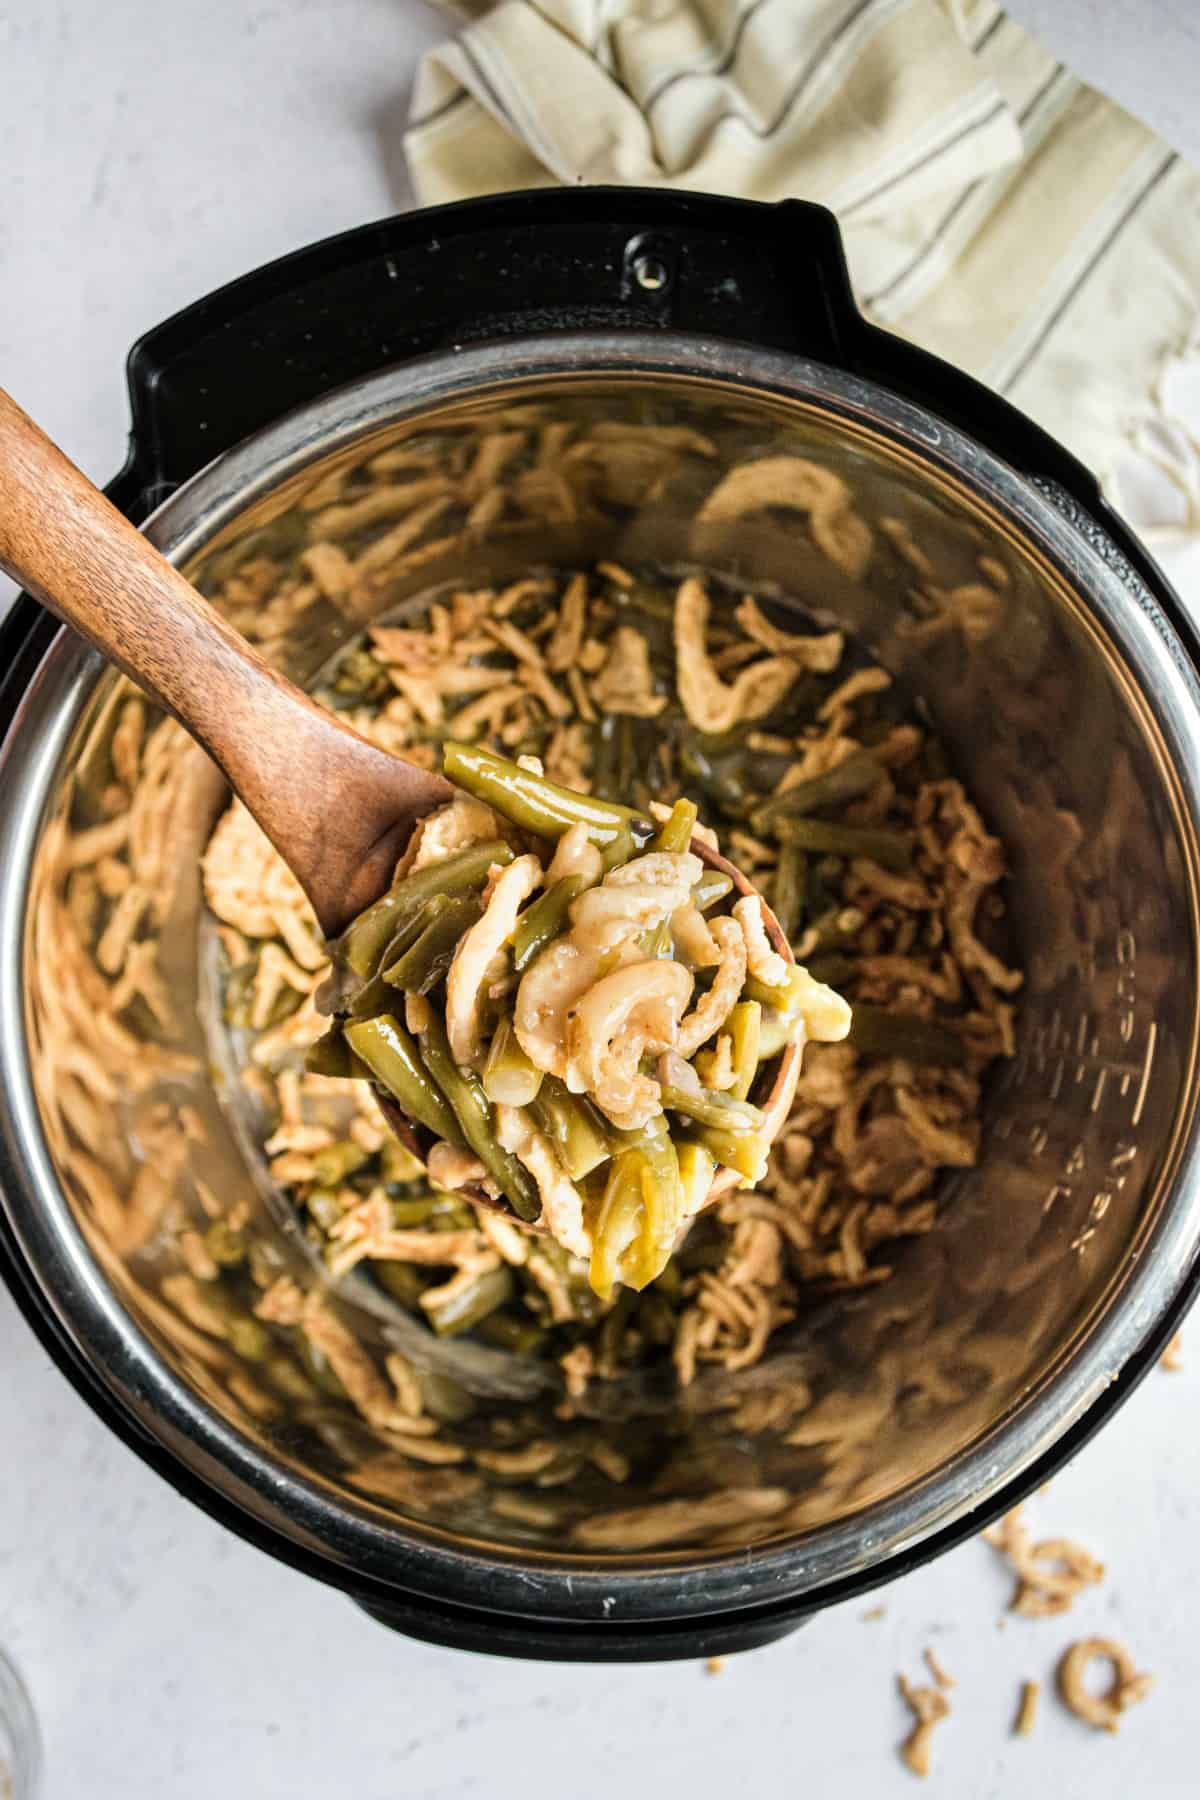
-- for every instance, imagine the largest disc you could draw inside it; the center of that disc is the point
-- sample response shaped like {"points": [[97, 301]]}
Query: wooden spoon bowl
{"points": [[776, 1106]]}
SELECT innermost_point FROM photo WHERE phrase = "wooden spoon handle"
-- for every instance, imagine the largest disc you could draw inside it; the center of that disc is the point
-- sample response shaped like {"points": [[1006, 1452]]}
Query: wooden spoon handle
{"points": [[325, 798]]}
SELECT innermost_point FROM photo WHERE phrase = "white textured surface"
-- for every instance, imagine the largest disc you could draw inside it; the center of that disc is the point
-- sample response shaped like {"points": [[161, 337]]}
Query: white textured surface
{"points": [[149, 151]]}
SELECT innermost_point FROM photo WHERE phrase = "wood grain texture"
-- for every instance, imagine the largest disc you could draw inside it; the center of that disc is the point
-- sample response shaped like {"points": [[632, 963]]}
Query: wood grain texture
{"points": [[337, 809]]}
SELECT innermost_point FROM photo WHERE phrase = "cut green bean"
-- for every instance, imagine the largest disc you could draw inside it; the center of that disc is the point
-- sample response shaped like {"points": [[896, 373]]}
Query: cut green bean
{"points": [[509, 1078], [573, 1126], [618, 850], [542, 922], [742, 1151], [425, 962], [330, 1055], [492, 1289], [507, 1331], [711, 887], [675, 832], [786, 996], [836, 787], [708, 1107], [744, 1026], [402, 1281], [337, 1162], [618, 1223], [821, 837], [464, 1094], [362, 945], [787, 888], [878, 1031], [390, 1054], [777, 1031], [719, 778], [697, 1166], [832, 968], [408, 1213], [529, 801]]}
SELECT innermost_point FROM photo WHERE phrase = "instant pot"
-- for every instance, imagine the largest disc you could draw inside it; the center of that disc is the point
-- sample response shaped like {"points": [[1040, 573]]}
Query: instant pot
{"points": [[1063, 680]]}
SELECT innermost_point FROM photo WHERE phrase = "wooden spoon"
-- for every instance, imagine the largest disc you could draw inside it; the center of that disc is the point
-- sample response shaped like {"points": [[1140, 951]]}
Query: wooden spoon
{"points": [[338, 810]]}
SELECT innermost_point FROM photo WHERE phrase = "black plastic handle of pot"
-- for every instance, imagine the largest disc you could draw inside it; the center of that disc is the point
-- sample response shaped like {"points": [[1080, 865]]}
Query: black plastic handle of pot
{"points": [[553, 259], [511, 265]]}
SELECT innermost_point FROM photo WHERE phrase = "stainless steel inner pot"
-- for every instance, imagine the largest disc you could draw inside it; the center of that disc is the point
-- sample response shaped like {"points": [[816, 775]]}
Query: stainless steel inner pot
{"points": [[1074, 716]]}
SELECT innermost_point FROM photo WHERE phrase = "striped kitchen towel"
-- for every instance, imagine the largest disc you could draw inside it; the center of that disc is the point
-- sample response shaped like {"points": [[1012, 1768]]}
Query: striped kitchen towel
{"points": [[994, 208]]}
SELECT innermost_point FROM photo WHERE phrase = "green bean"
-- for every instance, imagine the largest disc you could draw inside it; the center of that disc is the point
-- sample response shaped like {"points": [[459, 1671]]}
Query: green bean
{"points": [[509, 1077], [697, 1166], [744, 1026], [709, 1107], [742, 1151], [821, 837], [878, 1031], [619, 850], [402, 1281], [248, 1339], [573, 1126], [400, 1167], [542, 922], [784, 997], [506, 1331], [407, 1213], [444, 1398], [337, 1162], [618, 1221], [626, 755], [358, 679], [362, 945], [225, 1245], [675, 832], [662, 1201], [828, 932], [426, 961], [529, 801], [777, 1031], [492, 1288], [836, 787], [832, 968], [323, 1205], [330, 1055], [390, 1054], [465, 1096], [711, 887], [787, 888], [719, 779]]}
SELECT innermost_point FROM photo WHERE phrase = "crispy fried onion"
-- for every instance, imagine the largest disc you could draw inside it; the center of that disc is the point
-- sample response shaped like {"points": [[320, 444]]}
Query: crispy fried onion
{"points": [[633, 1012], [710, 703], [713, 1008], [626, 682], [928, 1705], [763, 962], [802, 486], [1126, 1688], [467, 981]]}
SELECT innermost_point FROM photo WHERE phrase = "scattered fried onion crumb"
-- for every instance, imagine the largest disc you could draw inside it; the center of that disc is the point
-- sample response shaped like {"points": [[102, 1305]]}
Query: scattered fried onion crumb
{"points": [[1126, 1688], [1050, 1574], [1027, 1708], [1172, 1356], [715, 1665], [936, 1670], [929, 1705], [872, 1613]]}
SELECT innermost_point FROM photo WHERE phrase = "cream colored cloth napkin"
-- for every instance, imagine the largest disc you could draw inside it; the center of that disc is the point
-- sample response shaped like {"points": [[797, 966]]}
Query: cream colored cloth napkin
{"points": [[994, 208]]}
